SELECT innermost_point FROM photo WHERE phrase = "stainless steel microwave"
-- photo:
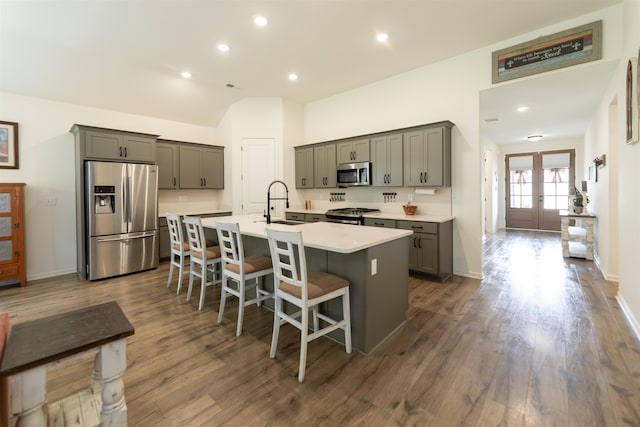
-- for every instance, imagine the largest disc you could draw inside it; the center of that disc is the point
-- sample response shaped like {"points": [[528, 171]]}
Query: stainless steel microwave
{"points": [[354, 174]]}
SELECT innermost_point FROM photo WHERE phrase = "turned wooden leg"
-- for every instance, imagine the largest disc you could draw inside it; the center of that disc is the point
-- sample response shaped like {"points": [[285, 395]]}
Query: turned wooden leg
{"points": [[112, 361], [28, 393]]}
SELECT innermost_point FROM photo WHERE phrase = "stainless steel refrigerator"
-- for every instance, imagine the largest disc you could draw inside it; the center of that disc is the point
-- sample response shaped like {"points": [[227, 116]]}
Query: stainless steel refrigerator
{"points": [[121, 212]]}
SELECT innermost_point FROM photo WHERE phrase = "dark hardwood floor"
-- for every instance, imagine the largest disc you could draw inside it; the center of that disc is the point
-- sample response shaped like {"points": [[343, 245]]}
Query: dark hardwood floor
{"points": [[541, 341]]}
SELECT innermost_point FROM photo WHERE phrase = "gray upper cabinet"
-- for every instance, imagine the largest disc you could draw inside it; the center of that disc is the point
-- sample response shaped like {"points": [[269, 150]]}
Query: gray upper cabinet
{"points": [[386, 156], [201, 167], [355, 150], [112, 144], [167, 157], [304, 167], [324, 158], [427, 157]]}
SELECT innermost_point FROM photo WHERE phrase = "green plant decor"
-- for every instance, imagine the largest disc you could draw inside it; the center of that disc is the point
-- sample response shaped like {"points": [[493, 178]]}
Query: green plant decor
{"points": [[578, 199]]}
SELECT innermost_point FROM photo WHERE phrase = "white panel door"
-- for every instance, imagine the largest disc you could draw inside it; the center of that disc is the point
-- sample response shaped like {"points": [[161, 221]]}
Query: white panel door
{"points": [[258, 170]]}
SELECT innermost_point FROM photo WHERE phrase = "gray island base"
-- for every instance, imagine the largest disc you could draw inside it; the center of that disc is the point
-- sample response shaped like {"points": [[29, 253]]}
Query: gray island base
{"points": [[374, 261]]}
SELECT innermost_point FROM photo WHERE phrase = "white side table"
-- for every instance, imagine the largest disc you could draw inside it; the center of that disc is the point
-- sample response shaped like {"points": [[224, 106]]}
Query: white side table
{"points": [[577, 240]]}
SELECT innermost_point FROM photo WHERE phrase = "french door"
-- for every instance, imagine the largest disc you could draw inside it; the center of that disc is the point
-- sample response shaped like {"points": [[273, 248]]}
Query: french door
{"points": [[537, 188]]}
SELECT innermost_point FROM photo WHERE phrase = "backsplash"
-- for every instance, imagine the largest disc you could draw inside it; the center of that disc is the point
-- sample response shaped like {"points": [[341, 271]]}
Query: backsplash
{"points": [[374, 197]]}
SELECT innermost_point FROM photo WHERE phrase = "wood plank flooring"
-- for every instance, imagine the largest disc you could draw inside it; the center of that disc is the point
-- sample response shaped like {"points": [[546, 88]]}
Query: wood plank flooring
{"points": [[541, 341]]}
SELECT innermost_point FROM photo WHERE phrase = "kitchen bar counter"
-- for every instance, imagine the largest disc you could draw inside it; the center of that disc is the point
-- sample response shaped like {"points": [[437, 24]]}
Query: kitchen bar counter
{"points": [[328, 236], [374, 263]]}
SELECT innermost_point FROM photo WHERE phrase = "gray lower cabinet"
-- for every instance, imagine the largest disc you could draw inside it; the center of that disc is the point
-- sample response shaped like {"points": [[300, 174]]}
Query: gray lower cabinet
{"points": [[427, 156], [430, 247], [354, 150], [201, 167], [113, 144], [167, 159], [304, 167], [387, 160], [324, 166]]}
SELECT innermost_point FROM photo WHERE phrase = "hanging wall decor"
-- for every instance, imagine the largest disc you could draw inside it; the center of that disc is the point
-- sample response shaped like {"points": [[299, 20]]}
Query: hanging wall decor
{"points": [[8, 145], [631, 104], [570, 47]]}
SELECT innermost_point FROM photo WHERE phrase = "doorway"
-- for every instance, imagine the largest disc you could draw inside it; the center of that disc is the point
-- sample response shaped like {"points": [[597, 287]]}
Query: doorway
{"points": [[537, 188], [258, 170]]}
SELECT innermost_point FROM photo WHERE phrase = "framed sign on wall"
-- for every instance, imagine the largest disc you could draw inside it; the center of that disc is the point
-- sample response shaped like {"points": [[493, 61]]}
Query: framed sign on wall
{"points": [[575, 46]]}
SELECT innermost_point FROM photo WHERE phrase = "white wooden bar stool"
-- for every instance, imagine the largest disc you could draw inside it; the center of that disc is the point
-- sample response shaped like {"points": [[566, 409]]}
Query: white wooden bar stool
{"points": [[238, 269], [306, 290], [207, 258], [179, 249]]}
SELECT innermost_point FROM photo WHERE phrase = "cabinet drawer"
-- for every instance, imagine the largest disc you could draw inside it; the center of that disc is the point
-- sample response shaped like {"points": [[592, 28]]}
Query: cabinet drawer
{"points": [[314, 217], [295, 216], [419, 227], [378, 222]]}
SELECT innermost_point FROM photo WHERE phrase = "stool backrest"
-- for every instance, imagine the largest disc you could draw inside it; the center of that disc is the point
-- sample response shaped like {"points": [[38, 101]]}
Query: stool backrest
{"points": [[175, 230], [288, 258], [195, 236], [230, 241]]}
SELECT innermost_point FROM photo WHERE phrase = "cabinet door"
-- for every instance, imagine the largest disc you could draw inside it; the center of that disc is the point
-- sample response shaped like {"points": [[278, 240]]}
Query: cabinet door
{"points": [[103, 145], [213, 168], [414, 158], [165, 242], [345, 152], [190, 175], [435, 156], [12, 252], [324, 166], [427, 253], [394, 160], [413, 252], [380, 159], [139, 149], [304, 168], [361, 150], [167, 160]]}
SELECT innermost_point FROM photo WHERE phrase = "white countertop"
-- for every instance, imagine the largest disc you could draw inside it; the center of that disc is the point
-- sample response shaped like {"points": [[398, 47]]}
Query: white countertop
{"points": [[189, 210], [333, 237]]}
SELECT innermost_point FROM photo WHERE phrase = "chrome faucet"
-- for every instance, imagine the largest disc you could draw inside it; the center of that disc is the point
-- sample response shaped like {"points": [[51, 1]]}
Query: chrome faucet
{"points": [[269, 199]]}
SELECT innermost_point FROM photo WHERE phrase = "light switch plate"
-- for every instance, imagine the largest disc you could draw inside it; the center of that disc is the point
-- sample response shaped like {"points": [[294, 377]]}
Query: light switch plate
{"points": [[374, 266]]}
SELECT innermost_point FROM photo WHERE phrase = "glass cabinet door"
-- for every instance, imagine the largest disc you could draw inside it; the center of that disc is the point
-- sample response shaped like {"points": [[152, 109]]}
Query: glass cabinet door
{"points": [[6, 229]]}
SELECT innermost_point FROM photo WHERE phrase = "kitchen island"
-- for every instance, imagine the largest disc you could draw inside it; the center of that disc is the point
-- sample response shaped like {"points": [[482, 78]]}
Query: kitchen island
{"points": [[374, 261]]}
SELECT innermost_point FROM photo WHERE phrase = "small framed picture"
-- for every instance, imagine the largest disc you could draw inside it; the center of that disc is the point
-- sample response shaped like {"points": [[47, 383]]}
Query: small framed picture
{"points": [[8, 145], [592, 175]]}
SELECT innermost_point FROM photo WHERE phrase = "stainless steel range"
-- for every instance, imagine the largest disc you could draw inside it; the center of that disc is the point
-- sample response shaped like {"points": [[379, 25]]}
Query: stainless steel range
{"points": [[348, 215]]}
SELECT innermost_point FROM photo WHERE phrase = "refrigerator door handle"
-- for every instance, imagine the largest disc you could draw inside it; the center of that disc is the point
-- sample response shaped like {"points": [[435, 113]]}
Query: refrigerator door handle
{"points": [[125, 239]]}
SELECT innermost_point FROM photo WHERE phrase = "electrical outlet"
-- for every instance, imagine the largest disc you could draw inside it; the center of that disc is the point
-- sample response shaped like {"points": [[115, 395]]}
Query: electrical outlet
{"points": [[52, 201]]}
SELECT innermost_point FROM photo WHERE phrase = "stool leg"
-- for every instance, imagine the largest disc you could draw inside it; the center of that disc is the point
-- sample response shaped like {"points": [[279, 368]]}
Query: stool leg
{"points": [[241, 291], [346, 313], [223, 297], [303, 345], [277, 308]]}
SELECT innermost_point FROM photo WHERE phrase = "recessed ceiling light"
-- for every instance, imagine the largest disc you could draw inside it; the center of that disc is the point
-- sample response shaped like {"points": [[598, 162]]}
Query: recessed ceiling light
{"points": [[522, 109], [293, 77], [534, 138], [186, 74], [223, 47], [260, 21], [382, 37]]}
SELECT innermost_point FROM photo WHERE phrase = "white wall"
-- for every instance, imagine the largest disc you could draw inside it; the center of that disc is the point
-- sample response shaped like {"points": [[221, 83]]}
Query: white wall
{"points": [[47, 166], [628, 178]]}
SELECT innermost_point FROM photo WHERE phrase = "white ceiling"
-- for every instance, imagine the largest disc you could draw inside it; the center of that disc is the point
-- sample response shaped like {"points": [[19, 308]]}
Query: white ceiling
{"points": [[127, 55]]}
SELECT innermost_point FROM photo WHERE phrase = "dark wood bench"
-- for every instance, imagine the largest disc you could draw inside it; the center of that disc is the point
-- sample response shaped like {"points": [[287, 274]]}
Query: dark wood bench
{"points": [[101, 330]]}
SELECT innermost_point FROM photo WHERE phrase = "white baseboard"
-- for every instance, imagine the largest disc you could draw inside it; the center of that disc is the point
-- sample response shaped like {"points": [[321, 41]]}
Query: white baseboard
{"points": [[609, 277], [469, 274], [626, 310], [49, 274]]}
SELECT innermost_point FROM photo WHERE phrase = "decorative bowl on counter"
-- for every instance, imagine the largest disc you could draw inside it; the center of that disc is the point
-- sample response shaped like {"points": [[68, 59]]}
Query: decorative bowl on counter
{"points": [[409, 209]]}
